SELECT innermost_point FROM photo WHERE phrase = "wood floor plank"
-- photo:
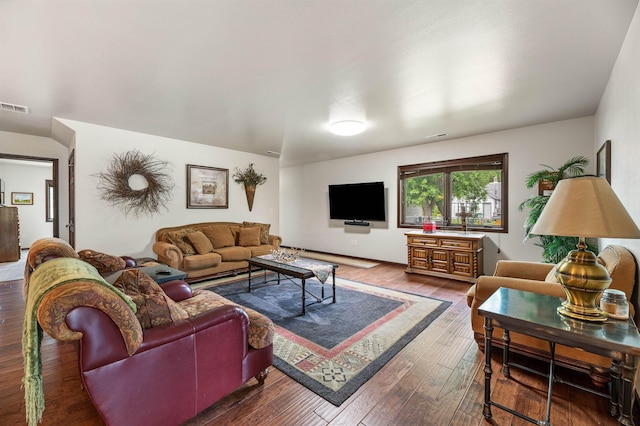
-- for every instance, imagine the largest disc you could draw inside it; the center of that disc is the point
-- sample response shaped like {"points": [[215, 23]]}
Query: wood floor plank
{"points": [[436, 379]]}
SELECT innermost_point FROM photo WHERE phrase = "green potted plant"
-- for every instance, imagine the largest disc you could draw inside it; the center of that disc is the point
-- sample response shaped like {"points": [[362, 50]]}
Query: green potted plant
{"points": [[250, 179], [554, 248]]}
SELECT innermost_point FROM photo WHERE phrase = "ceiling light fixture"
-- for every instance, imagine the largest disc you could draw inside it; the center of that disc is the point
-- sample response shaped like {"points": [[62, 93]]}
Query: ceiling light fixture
{"points": [[347, 127]]}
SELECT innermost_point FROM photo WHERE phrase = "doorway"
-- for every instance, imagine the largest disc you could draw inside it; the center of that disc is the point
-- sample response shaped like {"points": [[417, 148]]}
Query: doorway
{"points": [[48, 194]]}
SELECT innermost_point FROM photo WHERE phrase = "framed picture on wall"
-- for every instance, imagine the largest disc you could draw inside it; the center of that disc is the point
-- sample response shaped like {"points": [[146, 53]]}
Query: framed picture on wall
{"points": [[207, 187], [603, 161], [22, 198]]}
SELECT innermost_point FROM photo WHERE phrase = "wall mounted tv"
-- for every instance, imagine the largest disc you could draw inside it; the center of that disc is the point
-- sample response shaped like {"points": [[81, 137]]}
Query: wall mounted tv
{"points": [[357, 202]]}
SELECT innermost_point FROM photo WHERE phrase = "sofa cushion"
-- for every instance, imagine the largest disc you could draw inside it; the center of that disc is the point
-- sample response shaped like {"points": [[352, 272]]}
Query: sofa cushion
{"points": [[180, 240], [264, 230], [261, 328], [201, 261], [261, 250], [104, 263], [220, 236], [154, 306], [233, 254], [200, 242]]}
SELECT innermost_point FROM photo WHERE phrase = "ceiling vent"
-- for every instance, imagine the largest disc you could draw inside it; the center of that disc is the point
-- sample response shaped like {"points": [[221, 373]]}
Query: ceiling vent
{"points": [[5, 106]]}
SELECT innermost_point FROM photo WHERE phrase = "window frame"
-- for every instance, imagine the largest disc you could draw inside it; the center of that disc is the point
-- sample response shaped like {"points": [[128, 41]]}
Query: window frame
{"points": [[483, 162]]}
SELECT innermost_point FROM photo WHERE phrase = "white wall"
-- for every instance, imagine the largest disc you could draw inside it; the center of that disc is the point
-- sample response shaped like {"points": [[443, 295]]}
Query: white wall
{"points": [[304, 220], [618, 119], [37, 146], [28, 177], [102, 227]]}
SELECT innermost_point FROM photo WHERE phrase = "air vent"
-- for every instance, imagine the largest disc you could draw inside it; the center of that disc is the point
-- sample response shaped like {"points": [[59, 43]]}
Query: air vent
{"points": [[5, 106], [436, 136]]}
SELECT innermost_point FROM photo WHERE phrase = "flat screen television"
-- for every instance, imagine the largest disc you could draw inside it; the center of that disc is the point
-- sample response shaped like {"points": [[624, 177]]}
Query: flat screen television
{"points": [[357, 202]]}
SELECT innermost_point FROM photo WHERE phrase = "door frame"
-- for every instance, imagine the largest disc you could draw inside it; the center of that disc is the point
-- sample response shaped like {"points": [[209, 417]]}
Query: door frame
{"points": [[56, 189]]}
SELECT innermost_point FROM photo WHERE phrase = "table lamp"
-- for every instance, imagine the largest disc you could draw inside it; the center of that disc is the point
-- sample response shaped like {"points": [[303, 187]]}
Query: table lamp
{"points": [[584, 207]]}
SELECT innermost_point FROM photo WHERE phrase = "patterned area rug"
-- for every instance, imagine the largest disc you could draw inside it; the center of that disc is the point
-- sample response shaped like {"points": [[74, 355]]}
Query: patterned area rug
{"points": [[336, 347]]}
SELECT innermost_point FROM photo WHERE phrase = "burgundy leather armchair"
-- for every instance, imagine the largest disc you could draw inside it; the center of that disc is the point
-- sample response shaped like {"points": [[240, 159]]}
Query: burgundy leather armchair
{"points": [[178, 370], [162, 375]]}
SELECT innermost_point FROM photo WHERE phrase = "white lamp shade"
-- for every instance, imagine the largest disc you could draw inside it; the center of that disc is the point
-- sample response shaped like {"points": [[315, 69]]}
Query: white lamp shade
{"points": [[585, 207]]}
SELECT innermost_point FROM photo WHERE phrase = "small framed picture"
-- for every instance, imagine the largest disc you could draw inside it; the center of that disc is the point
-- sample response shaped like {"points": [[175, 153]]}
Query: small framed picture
{"points": [[603, 161], [22, 198], [207, 187]]}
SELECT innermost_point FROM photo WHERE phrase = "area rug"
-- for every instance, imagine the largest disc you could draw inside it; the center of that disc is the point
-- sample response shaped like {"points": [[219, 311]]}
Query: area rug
{"points": [[336, 347]]}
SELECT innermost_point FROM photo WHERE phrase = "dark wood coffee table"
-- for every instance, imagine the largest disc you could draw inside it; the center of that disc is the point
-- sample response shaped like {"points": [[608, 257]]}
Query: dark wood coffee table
{"points": [[295, 270], [536, 315]]}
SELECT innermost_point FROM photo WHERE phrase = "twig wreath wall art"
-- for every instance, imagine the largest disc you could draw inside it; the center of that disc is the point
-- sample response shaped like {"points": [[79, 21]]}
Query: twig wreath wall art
{"points": [[137, 183]]}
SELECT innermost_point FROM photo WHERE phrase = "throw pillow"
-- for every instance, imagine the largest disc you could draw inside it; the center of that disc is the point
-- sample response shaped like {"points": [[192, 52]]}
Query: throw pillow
{"points": [[249, 237], [264, 230], [104, 263], [179, 239], [200, 242], [219, 236], [154, 306]]}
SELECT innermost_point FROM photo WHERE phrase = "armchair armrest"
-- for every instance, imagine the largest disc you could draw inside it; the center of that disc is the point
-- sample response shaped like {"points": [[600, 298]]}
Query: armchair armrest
{"points": [[177, 290], [520, 269], [168, 254], [487, 285]]}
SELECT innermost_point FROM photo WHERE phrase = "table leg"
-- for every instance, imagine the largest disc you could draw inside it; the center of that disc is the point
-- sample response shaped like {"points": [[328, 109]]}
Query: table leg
{"points": [[333, 274], [616, 380], [488, 331], [629, 367], [250, 278], [506, 339], [552, 375], [304, 298]]}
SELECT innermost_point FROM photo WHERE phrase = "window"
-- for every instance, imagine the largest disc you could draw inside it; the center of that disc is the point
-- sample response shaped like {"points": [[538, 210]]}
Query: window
{"points": [[448, 191]]}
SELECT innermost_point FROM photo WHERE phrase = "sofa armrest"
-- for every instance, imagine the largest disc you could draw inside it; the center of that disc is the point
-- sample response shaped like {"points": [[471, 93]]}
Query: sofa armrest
{"points": [[275, 240], [520, 269], [177, 290], [168, 254]]}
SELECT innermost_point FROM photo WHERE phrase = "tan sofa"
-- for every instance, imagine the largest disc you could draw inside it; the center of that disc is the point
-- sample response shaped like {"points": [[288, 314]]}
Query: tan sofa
{"points": [[540, 278], [209, 249]]}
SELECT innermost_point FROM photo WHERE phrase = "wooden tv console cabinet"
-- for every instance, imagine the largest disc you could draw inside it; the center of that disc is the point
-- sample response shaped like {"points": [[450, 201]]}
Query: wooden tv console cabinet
{"points": [[445, 254]]}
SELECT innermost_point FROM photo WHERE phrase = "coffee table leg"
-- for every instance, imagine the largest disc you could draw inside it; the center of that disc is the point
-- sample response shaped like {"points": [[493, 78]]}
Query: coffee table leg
{"points": [[250, 278], [333, 274], [304, 298], [488, 331]]}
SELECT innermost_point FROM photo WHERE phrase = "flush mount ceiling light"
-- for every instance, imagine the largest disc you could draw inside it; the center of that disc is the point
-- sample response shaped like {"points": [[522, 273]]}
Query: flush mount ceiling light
{"points": [[347, 127]]}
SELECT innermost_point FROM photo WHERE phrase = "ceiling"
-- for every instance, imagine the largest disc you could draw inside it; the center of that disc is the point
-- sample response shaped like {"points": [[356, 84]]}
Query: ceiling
{"points": [[269, 75]]}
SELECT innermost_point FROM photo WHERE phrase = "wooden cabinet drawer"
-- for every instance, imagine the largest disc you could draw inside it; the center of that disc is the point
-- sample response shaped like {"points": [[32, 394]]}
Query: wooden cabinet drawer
{"points": [[450, 243], [424, 241]]}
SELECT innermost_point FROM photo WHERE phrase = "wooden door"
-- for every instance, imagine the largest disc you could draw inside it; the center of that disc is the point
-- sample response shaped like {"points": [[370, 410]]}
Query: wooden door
{"points": [[72, 199]]}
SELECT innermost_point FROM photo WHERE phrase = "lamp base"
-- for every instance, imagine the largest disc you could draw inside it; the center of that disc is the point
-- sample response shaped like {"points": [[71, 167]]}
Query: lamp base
{"points": [[583, 279], [598, 315]]}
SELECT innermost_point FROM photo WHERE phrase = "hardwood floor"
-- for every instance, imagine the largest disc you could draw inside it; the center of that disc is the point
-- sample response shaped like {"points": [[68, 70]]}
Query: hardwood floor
{"points": [[437, 379]]}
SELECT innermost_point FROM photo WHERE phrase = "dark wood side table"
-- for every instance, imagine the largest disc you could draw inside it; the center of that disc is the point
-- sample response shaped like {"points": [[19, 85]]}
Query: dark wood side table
{"points": [[535, 315]]}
